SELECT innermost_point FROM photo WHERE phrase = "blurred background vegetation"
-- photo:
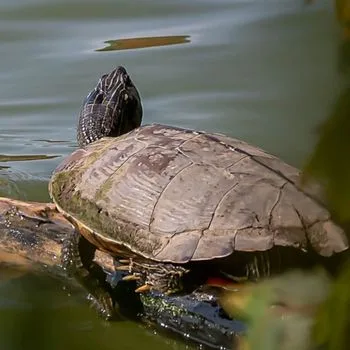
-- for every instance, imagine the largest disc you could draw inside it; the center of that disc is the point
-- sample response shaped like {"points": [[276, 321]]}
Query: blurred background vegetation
{"points": [[303, 311]]}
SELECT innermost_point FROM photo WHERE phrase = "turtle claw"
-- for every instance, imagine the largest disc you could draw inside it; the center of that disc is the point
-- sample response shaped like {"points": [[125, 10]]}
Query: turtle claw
{"points": [[103, 304], [122, 268], [133, 277], [124, 261], [143, 289], [88, 273]]}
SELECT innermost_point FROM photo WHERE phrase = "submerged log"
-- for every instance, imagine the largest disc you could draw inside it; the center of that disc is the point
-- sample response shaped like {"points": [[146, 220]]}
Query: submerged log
{"points": [[31, 235]]}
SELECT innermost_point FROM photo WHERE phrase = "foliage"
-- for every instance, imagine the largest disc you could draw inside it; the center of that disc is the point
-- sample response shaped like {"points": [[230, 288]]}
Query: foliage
{"points": [[280, 311], [330, 163], [333, 320]]}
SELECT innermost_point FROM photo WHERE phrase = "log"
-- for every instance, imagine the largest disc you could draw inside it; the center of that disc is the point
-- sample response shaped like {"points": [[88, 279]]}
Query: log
{"points": [[31, 235]]}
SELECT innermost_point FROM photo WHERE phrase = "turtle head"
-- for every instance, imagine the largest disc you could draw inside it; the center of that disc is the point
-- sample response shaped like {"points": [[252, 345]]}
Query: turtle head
{"points": [[112, 108]]}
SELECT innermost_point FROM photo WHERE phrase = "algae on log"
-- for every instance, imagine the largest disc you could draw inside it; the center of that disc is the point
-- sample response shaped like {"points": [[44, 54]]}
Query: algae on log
{"points": [[31, 237]]}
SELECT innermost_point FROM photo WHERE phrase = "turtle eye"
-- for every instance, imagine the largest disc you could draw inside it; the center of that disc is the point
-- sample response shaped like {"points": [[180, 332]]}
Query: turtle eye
{"points": [[125, 79]]}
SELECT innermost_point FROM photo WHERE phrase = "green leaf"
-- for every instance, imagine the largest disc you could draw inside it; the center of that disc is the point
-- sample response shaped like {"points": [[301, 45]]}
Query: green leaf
{"points": [[333, 321], [280, 311], [330, 161]]}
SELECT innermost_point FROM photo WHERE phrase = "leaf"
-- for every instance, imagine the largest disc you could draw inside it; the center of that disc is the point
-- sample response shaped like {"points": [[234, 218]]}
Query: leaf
{"points": [[333, 320], [280, 311], [330, 161]]}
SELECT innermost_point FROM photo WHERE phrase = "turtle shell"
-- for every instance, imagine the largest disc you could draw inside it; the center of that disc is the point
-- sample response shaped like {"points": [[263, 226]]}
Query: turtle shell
{"points": [[177, 195]]}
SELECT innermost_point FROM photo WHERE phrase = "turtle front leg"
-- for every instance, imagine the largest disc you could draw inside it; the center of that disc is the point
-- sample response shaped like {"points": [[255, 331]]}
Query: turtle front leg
{"points": [[162, 277], [77, 259]]}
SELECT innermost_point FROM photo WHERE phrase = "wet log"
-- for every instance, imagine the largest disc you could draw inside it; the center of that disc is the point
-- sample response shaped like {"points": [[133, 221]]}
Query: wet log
{"points": [[31, 235]]}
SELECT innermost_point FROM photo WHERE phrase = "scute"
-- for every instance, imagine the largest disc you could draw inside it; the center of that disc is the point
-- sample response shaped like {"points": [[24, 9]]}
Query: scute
{"points": [[177, 195]]}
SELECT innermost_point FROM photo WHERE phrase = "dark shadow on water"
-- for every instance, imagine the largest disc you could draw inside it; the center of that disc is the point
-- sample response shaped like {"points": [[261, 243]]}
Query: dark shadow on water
{"points": [[25, 157], [140, 43], [52, 141]]}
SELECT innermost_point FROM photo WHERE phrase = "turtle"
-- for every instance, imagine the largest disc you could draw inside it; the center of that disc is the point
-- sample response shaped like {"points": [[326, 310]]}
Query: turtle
{"points": [[173, 205]]}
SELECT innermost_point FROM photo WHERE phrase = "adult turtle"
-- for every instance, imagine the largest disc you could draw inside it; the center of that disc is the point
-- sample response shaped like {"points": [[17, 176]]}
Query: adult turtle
{"points": [[179, 203]]}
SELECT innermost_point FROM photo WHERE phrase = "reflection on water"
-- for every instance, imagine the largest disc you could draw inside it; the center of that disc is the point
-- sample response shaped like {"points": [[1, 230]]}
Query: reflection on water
{"points": [[22, 185], [7, 273], [55, 316], [139, 43], [22, 158], [50, 315], [52, 141]]}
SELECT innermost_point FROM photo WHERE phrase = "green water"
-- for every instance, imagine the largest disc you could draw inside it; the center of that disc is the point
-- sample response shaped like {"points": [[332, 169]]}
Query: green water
{"points": [[263, 71]]}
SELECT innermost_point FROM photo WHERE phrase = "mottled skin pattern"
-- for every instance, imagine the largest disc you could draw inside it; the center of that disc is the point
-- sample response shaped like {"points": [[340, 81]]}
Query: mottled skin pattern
{"points": [[112, 108], [170, 198]]}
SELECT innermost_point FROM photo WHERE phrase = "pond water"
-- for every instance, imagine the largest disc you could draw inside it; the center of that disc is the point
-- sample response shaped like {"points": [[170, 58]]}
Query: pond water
{"points": [[262, 71]]}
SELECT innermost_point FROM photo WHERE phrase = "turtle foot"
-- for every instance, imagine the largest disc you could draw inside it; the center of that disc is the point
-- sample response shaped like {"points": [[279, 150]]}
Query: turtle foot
{"points": [[100, 292], [152, 276], [77, 260], [103, 305], [143, 289]]}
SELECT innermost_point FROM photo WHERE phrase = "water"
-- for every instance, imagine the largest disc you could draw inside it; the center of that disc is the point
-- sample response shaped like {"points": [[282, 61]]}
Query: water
{"points": [[262, 71]]}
